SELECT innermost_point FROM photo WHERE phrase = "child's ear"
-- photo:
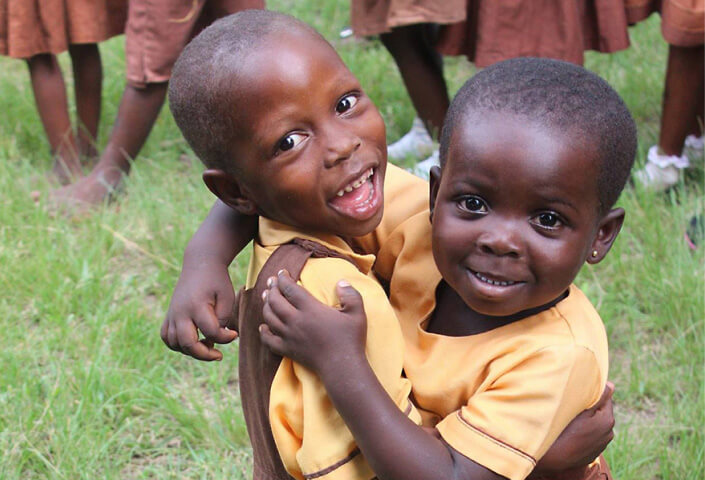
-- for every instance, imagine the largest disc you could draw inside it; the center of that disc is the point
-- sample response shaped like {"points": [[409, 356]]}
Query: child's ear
{"points": [[434, 181], [227, 188], [609, 227]]}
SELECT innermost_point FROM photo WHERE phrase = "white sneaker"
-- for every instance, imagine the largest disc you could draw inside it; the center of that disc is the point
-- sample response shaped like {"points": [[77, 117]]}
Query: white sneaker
{"points": [[694, 147], [694, 143], [661, 172], [423, 168], [416, 143]]}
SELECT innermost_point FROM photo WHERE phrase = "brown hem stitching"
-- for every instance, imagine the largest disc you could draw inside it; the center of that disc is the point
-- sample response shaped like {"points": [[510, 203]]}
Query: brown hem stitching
{"points": [[496, 440], [339, 464]]}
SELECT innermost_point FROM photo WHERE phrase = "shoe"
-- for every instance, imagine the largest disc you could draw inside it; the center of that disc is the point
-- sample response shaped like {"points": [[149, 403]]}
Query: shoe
{"points": [[423, 168], [661, 172], [417, 143], [694, 147], [694, 143]]}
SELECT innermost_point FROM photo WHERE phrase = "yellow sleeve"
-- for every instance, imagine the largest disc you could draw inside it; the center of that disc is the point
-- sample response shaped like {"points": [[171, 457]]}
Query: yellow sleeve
{"points": [[405, 195], [312, 438], [510, 424]]}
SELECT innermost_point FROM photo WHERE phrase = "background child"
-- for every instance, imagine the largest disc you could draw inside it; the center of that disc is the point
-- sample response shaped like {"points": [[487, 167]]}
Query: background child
{"points": [[682, 26], [312, 166], [507, 350], [37, 32], [155, 34]]}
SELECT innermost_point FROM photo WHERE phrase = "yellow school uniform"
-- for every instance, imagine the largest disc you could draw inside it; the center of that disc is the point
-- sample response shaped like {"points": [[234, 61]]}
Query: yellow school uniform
{"points": [[503, 396], [311, 437]]}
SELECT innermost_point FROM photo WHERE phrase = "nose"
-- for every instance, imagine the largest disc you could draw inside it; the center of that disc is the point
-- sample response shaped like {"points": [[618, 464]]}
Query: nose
{"points": [[341, 144], [501, 238]]}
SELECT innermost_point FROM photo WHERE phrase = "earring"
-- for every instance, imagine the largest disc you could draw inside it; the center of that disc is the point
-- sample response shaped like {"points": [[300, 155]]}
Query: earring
{"points": [[594, 254]]}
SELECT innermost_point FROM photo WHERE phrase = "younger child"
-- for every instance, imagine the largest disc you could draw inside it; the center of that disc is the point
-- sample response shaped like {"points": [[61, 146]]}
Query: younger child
{"points": [[506, 350]]}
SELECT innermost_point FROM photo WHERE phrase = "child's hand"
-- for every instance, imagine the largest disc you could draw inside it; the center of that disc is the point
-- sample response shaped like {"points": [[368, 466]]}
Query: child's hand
{"points": [[203, 300], [583, 439], [315, 335]]}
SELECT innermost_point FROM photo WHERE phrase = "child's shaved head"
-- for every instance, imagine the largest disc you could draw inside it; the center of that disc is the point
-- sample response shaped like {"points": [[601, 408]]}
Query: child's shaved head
{"points": [[558, 95], [203, 90]]}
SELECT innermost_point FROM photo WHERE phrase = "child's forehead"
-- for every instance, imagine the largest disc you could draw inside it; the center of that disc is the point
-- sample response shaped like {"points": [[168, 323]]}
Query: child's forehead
{"points": [[493, 146]]}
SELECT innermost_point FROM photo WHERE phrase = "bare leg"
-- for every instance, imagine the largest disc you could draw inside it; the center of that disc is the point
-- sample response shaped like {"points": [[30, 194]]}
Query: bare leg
{"points": [[421, 68], [696, 126], [50, 96], [138, 111], [88, 78], [684, 85]]}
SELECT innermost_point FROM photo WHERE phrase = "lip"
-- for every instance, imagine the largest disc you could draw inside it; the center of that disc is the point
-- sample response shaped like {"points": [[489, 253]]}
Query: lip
{"points": [[493, 285], [352, 177], [367, 208]]}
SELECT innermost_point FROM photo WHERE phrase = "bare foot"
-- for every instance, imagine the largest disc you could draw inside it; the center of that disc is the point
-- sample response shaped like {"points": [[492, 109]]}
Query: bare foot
{"points": [[67, 168], [86, 193]]}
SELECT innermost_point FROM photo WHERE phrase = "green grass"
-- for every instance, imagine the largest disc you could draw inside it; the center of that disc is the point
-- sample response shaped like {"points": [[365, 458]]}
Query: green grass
{"points": [[88, 390]]}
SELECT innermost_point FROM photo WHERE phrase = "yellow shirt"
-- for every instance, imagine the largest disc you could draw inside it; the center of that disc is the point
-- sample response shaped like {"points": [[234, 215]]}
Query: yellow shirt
{"points": [[311, 437], [503, 396]]}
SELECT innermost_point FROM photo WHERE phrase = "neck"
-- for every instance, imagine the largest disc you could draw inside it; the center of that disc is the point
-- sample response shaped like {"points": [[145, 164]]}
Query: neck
{"points": [[452, 317]]}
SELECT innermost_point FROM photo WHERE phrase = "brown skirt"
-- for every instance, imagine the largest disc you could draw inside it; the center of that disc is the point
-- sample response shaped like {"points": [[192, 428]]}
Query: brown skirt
{"points": [[30, 27], [682, 21], [499, 30], [372, 17], [157, 31]]}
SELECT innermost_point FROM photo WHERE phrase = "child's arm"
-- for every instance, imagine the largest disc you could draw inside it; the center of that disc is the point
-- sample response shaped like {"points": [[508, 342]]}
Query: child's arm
{"points": [[203, 298], [311, 334]]}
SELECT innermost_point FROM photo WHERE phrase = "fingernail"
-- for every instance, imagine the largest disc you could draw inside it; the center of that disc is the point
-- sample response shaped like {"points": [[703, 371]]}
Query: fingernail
{"points": [[260, 328], [280, 272], [270, 282], [343, 283], [264, 295]]}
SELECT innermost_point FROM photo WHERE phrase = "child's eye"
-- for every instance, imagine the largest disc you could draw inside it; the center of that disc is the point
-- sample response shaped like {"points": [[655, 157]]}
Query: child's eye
{"points": [[547, 220], [473, 204], [290, 141], [346, 103]]}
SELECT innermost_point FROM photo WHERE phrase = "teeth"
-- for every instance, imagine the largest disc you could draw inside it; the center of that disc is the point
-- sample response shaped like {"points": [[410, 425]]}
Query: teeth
{"points": [[494, 282], [356, 184]]}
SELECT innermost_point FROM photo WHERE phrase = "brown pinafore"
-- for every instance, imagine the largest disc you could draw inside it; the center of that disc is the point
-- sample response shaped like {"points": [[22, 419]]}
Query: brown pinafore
{"points": [[258, 364]]}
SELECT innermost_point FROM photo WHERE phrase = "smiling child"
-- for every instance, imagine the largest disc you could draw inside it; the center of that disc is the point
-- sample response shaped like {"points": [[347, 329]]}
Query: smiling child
{"points": [[506, 350], [287, 133]]}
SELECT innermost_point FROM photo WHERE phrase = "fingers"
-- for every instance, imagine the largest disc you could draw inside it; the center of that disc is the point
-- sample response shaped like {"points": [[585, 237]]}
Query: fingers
{"points": [[207, 322], [272, 320], [188, 342], [350, 299], [295, 294], [224, 302], [277, 302], [271, 341], [606, 396]]}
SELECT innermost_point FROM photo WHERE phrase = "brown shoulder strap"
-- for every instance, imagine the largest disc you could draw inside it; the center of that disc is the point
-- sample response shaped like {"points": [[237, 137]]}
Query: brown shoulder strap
{"points": [[257, 365]]}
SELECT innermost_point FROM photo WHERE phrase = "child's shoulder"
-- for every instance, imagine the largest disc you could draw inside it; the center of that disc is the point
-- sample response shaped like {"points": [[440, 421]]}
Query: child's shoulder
{"points": [[581, 320]]}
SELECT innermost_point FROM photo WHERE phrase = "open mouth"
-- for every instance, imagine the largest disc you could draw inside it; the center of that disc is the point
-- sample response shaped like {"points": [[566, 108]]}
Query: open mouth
{"points": [[488, 280], [360, 198], [494, 281]]}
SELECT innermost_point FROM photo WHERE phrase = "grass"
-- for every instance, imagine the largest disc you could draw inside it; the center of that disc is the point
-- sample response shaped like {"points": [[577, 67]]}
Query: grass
{"points": [[87, 389]]}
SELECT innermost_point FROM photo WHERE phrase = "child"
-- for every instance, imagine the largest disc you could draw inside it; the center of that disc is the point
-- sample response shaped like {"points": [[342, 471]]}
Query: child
{"points": [[534, 155], [37, 32], [312, 167], [681, 132], [155, 33], [303, 162]]}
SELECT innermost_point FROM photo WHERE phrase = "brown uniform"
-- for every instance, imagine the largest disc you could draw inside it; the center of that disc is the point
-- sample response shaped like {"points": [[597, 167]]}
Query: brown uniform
{"points": [[258, 365], [682, 21], [500, 30], [28, 28], [157, 31]]}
